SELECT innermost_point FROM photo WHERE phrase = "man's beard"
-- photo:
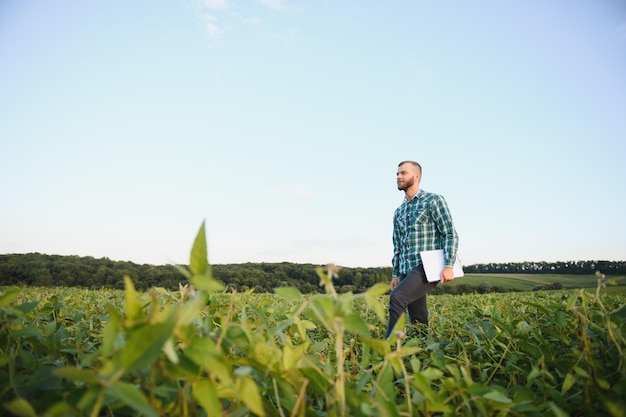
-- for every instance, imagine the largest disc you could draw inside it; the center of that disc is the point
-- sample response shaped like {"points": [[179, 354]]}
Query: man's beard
{"points": [[407, 184]]}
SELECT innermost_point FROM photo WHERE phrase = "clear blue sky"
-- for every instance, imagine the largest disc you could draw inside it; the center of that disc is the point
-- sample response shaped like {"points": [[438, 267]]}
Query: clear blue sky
{"points": [[126, 124]]}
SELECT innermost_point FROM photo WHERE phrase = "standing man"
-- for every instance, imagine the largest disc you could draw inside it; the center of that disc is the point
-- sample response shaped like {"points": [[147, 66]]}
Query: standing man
{"points": [[422, 222]]}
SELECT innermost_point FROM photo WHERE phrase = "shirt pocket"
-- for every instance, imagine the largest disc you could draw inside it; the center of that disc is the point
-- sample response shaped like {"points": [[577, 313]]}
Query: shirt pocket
{"points": [[419, 217]]}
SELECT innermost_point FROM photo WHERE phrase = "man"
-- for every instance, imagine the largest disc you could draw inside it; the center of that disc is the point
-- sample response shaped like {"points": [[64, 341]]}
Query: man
{"points": [[422, 222]]}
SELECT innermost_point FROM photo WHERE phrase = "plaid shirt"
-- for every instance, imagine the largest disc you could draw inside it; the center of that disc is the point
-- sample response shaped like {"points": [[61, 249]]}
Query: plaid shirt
{"points": [[423, 223]]}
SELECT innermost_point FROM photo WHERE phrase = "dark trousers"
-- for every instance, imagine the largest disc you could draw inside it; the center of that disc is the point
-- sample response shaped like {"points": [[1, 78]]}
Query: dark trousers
{"points": [[410, 294]]}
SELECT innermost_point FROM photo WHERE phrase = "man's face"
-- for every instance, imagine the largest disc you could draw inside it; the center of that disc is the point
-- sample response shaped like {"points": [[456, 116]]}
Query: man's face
{"points": [[406, 176]]}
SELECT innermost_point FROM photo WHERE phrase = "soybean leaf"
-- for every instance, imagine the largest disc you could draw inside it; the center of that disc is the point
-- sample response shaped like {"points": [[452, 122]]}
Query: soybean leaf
{"points": [[377, 289], [75, 374], [27, 307], [571, 301], [204, 353], [289, 293], [27, 333], [408, 351], [133, 397], [371, 299], [198, 261], [133, 307], [205, 393], [569, 381], [268, 355], [379, 346], [21, 408], [110, 332], [143, 345], [497, 397], [323, 306], [8, 297], [556, 410], [207, 284], [191, 311], [248, 391], [386, 387], [292, 355], [170, 351], [432, 374], [355, 324]]}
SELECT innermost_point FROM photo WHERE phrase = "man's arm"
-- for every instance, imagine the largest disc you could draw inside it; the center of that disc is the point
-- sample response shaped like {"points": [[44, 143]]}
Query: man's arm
{"points": [[396, 256]]}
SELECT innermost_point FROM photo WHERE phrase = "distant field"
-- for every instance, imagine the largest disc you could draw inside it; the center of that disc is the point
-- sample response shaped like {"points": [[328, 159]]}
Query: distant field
{"points": [[527, 282]]}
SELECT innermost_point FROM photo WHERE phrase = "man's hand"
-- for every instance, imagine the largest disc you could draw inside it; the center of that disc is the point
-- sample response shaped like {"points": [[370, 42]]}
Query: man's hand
{"points": [[394, 283], [446, 275]]}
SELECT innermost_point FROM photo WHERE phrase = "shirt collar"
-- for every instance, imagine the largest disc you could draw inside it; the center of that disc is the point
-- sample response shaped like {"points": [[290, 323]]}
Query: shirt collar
{"points": [[419, 193]]}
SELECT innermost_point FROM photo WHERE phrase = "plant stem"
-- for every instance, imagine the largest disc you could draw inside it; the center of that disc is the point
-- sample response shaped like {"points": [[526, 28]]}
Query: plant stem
{"points": [[340, 380]]}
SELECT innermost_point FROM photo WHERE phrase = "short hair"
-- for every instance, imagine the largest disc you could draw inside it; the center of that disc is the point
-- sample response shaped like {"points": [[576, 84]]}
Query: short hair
{"points": [[415, 164]]}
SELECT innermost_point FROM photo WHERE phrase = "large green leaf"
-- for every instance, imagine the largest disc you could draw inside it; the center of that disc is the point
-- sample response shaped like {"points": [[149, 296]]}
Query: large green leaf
{"points": [[191, 310], [27, 307], [27, 333], [382, 408], [59, 409], [133, 307], [248, 392], [323, 306], [75, 374], [385, 388], [206, 394], [377, 289], [292, 355], [131, 395], [207, 284], [289, 293], [21, 408], [399, 327], [382, 347], [143, 345], [110, 332], [205, 353], [372, 299], [267, 355], [497, 396], [8, 297], [405, 351], [198, 261], [354, 323]]}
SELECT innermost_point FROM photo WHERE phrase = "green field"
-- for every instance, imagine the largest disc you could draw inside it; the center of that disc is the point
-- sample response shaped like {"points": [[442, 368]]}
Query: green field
{"points": [[526, 282], [79, 352], [75, 352]]}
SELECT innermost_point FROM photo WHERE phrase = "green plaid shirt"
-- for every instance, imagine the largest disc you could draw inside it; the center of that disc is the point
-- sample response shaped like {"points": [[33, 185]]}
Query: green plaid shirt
{"points": [[423, 223]]}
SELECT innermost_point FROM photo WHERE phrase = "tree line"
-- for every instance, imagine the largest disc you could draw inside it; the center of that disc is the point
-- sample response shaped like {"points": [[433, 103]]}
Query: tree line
{"points": [[35, 269], [561, 267]]}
